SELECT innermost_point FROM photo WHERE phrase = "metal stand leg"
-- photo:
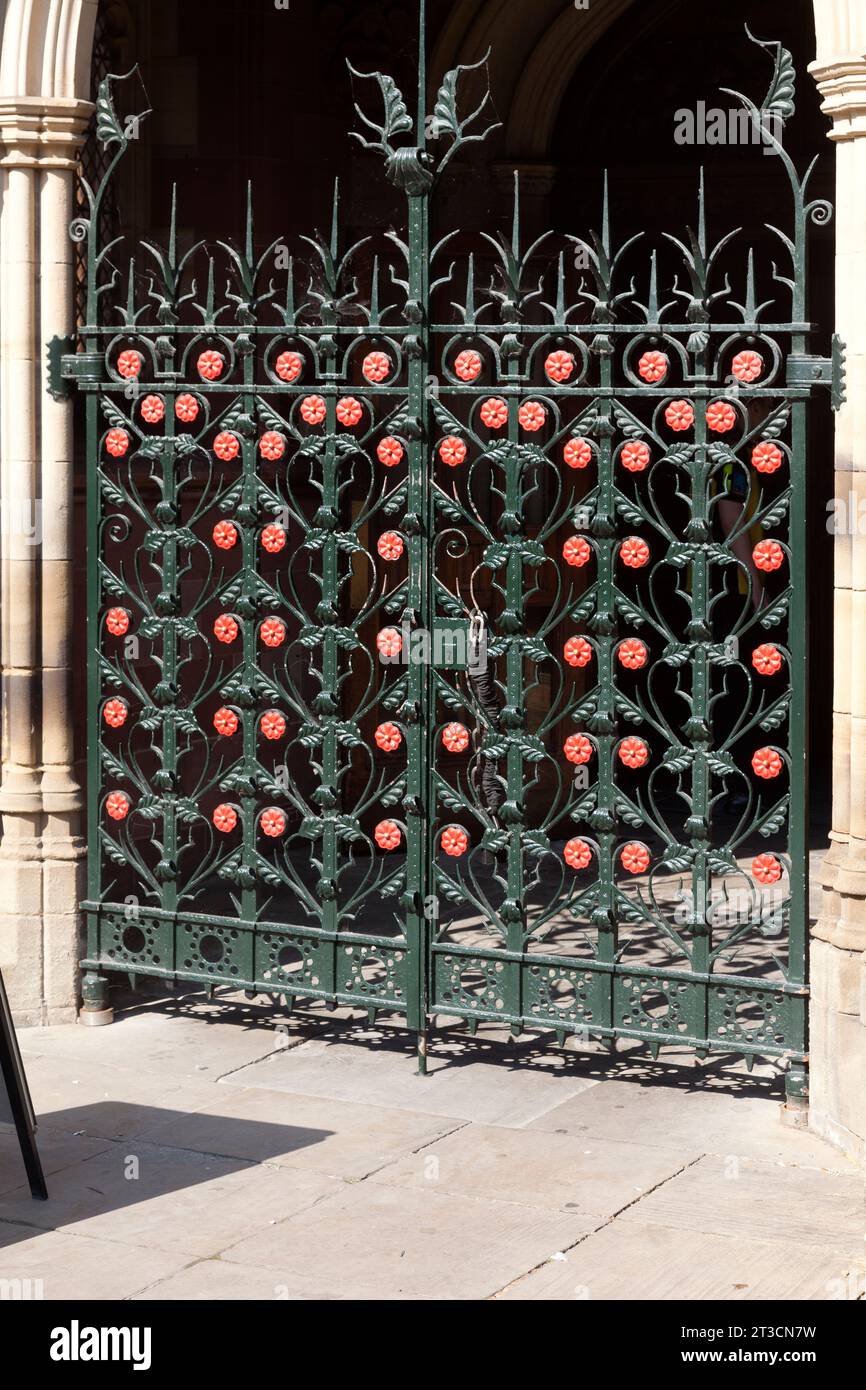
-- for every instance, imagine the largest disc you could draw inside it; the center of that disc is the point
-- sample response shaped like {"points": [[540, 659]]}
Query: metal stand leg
{"points": [[95, 1011], [795, 1111]]}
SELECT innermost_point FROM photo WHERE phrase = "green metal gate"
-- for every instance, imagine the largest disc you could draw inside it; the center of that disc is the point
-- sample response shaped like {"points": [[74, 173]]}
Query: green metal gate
{"points": [[448, 643]]}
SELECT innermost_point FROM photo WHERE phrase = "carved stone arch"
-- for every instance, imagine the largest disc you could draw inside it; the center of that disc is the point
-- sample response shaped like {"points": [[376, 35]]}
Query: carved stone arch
{"points": [[537, 47], [46, 49]]}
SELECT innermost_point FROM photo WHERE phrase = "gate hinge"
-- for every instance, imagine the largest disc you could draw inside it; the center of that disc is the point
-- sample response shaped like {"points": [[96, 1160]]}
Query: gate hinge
{"points": [[67, 367], [59, 385], [805, 369]]}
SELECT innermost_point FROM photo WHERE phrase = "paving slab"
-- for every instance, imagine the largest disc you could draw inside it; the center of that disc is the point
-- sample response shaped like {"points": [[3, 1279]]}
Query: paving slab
{"points": [[274, 1127], [548, 1171], [382, 1243], [506, 1086], [91, 1097], [193, 1040], [186, 1203], [306, 1159], [636, 1260], [214, 1281], [762, 1201], [73, 1267], [686, 1111], [57, 1151]]}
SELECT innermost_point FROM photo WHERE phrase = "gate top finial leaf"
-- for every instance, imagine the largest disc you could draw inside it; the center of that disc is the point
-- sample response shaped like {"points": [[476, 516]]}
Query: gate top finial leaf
{"points": [[404, 165], [109, 129], [397, 120], [446, 118], [780, 98]]}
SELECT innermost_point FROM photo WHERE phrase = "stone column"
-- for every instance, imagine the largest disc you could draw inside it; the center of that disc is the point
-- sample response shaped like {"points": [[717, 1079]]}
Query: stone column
{"points": [[41, 853], [838, 952]]}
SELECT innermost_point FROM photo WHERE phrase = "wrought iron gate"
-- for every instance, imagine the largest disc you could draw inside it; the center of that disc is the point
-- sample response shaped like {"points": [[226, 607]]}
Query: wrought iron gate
{"points": [[448, 643]]}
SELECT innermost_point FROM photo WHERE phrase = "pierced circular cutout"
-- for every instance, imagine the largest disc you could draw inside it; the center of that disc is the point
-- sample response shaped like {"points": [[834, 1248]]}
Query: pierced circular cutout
{"points": [[655, 1004], [133, 940], [562, 994], [290, 960], [748, 1015], [212, 949], [473, 981], [373, 970]]}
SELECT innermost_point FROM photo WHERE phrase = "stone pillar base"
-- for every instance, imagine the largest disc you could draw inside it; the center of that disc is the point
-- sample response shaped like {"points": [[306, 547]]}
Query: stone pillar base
{"points": [[838, 1047], [40, 930], [795, 1116]]}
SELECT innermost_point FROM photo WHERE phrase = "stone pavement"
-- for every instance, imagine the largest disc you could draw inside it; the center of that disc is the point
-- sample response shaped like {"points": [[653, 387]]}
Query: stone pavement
{"points": [[207, 1151]]}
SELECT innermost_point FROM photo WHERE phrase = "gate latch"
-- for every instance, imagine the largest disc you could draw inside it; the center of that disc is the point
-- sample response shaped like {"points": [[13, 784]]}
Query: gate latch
{"points": [[451, 643], [807, 370]]}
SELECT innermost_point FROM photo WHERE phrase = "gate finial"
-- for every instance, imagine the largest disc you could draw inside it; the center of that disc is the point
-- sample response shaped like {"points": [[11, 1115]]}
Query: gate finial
{"points": [[410, 167]]}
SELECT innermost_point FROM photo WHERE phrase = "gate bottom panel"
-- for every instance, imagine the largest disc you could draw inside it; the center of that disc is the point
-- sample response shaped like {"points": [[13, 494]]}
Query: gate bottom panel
{"points": [[364, 971], [595, 999]]}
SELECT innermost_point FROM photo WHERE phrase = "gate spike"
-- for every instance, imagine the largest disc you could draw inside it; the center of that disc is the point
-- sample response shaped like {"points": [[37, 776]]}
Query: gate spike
{"points": [[374, 292], [702, 215], [750, 1061], [469, 312], [515, 224], [655, 1049], [130, 293], [249, 246], [335, 214], [290, 294], [560, 293], [605, 217], [209, 300], [653, 302], [751, 303], [172, 229]]}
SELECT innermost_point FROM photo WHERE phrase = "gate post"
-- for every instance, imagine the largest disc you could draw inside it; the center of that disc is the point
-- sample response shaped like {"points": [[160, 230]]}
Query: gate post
{"points": [[42, 852], [838, 952]]}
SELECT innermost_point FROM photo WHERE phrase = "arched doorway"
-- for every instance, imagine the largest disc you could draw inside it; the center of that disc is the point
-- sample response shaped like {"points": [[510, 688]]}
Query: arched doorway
{"points": [[573, 368]]}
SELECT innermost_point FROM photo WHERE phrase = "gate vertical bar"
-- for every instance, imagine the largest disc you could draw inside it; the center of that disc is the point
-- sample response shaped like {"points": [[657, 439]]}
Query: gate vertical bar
{"points": [[249, 505], [796, 1077], [419, 839], [699, 632], [330, 789], [95, 985], [513, 506], [603, 624]]}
